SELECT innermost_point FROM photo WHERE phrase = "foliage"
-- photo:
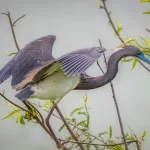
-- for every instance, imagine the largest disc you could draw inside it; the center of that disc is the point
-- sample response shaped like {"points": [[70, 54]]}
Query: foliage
{"points": [[142, 43], [104, 140]]}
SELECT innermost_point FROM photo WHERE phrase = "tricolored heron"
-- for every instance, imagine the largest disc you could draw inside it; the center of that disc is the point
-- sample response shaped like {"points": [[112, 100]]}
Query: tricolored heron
{"points": [[37, 74]]}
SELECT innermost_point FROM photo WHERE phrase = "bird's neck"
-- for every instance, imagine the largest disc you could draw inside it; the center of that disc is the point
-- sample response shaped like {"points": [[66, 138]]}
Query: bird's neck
{"points": [[88, 82]]}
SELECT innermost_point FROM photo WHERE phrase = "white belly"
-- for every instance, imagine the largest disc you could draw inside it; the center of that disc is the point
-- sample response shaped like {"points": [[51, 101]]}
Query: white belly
{"points": [[55, 87]]}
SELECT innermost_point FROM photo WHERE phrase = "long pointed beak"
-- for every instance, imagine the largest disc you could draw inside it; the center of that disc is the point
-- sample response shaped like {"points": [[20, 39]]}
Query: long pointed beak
{"points": [[144, 58]]}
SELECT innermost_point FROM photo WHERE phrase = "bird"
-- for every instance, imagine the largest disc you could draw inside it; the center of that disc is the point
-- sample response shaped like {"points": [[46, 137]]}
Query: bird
{"points": [[37, 74]]}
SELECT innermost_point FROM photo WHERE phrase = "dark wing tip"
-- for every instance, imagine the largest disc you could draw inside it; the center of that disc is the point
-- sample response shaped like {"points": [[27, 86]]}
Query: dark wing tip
{"points": [[24, 94]]}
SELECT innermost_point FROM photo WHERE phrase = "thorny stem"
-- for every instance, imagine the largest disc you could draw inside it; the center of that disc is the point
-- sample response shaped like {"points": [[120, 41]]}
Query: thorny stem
{"points": [[12, 27], [117, 33], [69, 129], [116, 104]]}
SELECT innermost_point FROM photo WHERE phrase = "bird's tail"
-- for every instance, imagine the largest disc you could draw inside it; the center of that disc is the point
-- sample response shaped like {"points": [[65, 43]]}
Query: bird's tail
{"points": [[6, 72], [24, 94]]}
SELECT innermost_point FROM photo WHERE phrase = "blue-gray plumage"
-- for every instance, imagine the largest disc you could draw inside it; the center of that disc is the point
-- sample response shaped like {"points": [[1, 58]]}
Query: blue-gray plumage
{"points": [[37, 74]]}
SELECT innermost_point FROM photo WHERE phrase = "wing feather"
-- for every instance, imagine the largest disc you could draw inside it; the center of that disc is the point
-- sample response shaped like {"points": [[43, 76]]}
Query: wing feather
{"points": [[77, 62]]}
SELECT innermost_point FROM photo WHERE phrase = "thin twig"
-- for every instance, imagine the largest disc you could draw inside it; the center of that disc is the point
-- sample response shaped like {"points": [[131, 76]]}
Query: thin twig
{"points": [[18, 20], [100, 67], [111, 22], [38, 105], [148, 30], [107, 145], [14, 103], [68, 128], [36, 111], [117, 33], [116, 104], [12, 29], [144, 66], [23, 109]]}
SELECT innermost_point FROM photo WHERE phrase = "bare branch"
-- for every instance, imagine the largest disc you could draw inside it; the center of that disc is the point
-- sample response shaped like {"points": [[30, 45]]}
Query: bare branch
{"points": [[107, 145], [111, 22], [148, 30], [116, 104], [36, 111], [23, 109], [18, 20], [68, 128], [12, 29], [117, 33], [38, 105]]}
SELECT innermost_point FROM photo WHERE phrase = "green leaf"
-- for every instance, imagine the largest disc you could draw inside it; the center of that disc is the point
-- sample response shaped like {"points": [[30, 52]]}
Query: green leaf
{"points": [[10, 115], [82, 123], [102, 133], [147, 41], [82, 113], [148, 12], [101, 7], [110, 132], [17, 119], [134, 63], [145, 1], [88, 147], [67, 118], [14, 53], [76, 110], [22, 120], [85, 99], [127, 42], [61, 127], [119, 27], [88, 121], [73, 119], [143, 135]]}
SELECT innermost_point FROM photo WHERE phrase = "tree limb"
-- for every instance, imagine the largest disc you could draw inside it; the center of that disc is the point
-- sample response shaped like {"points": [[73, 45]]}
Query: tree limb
{"points": [[117, 33], [116, 104], [12, 27]]}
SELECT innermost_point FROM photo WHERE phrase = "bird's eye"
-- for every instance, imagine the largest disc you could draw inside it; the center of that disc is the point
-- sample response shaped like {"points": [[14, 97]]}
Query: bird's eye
{"points": [[139, 53]]}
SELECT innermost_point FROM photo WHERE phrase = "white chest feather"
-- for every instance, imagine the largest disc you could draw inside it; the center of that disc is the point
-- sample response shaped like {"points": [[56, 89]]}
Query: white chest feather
{"points": [[55, 87]]}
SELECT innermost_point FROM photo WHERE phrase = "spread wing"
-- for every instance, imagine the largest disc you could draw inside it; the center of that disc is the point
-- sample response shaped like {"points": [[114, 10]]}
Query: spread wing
{"points": [[30, 60], [76, 63]]}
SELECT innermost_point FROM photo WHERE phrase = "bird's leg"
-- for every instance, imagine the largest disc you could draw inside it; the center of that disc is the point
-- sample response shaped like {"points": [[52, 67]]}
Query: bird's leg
{"points": [[50, 128]]}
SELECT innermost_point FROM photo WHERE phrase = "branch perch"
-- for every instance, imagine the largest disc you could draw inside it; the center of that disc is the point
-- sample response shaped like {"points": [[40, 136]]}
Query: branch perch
{"points": [[116, 104], [117, 33], [12, 27]]}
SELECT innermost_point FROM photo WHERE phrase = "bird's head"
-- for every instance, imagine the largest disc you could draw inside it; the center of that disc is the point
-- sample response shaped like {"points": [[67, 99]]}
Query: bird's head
{"points": [[131, 50]]}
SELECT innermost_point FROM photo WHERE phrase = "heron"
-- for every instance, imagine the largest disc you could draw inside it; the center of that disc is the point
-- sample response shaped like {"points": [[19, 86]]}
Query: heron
{"points": [[37, 74]]}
